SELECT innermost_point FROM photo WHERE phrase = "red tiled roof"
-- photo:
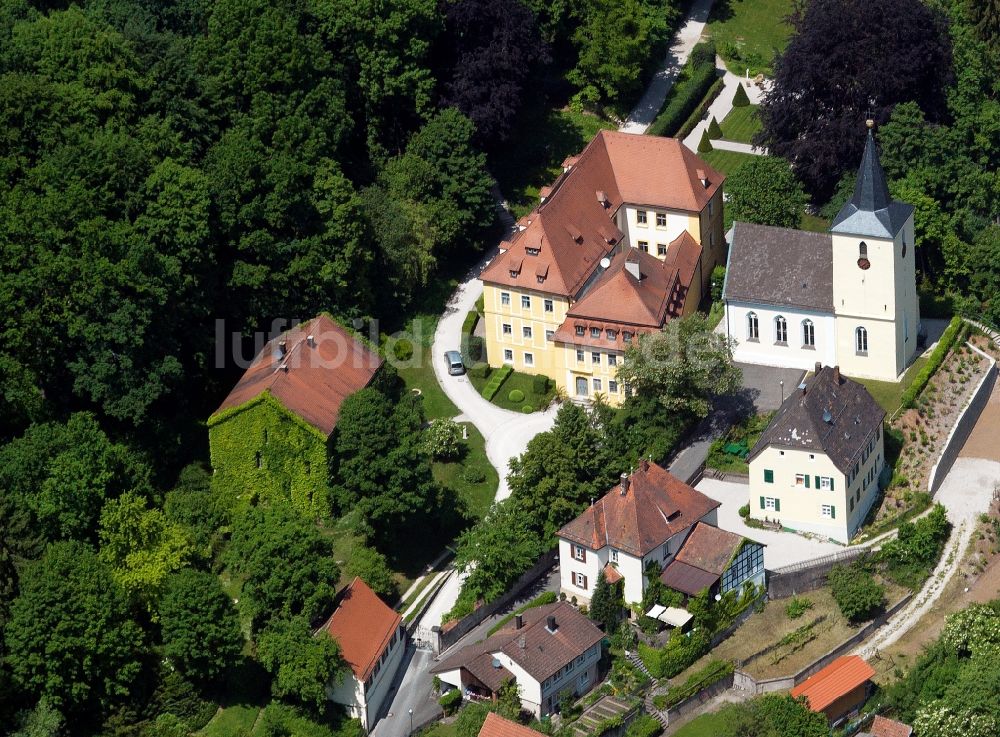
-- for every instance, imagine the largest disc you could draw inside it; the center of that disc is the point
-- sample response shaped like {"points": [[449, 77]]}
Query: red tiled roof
{"points": [[884, 727], [573, 229], [838, 679], [363, 625], [710, 548], [496, 726], [611, 574], [684, 254], [655, 507], [309, 380], [686, 578]]}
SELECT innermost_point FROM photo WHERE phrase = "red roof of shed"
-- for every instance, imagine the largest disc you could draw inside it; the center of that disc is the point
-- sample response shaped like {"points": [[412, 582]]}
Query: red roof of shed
{"points": [[838, 679], [496, 726]]}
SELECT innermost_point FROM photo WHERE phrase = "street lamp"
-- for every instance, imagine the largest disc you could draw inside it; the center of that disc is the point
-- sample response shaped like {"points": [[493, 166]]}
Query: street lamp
{"points": [[781, 383], [411, 720]]}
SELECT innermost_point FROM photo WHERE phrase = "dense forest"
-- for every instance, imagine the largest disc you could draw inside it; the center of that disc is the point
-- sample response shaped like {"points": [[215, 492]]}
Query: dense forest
{"points": [[176, 172]]}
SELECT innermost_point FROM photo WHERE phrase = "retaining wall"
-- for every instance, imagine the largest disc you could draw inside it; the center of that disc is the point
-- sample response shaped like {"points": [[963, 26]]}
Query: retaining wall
{"points": [[963, 426], [791, 580], [454, 631], [694, 701]]}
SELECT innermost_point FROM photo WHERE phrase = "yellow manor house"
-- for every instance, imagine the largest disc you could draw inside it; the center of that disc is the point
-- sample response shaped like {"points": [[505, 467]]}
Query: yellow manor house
{"points": [[625, 239]]}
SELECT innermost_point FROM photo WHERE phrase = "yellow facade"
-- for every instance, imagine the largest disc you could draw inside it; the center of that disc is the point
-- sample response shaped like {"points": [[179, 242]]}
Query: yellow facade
{"points": [[518, 320]]}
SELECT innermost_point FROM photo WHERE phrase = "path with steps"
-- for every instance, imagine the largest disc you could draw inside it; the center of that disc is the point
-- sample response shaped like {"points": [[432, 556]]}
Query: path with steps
{"points": [[604, 708]]}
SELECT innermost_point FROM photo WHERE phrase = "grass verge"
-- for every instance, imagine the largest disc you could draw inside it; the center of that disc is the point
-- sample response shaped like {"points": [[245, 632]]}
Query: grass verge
{"points": [[516, 381], [461, 475], [236, 719], [741, 124], [420, 374], [889, 394], [726, 161]]}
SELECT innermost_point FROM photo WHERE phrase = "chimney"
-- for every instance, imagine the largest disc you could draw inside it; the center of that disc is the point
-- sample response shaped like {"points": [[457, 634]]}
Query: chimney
{"points": [[644, 465], [818, 368], [282, 348], [518, 621], [311, 340], [624, 484], [521, 642], [284, 367], [836, 374], [550, 623]]}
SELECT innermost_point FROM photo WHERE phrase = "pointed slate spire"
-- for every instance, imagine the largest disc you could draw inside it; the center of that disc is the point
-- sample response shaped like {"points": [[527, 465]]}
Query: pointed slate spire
{"points": [[871, 210], [870, 191]]}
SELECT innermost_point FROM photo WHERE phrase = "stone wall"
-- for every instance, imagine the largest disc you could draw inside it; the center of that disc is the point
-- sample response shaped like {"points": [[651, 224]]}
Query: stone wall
{"points": [[794, 579]]}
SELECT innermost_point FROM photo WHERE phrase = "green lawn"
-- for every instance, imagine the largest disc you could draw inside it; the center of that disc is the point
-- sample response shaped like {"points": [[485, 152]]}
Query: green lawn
{"points": [[707, 725], [439, 730], [421, 374], [533, 157], [889, 394], [815, 223], [517, 380], [231, 720], [741, 124], [479, 496], [745, 433], [726, 161], [750, 33]]}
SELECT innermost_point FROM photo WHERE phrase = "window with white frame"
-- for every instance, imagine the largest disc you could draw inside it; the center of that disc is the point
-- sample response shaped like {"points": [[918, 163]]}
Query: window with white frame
{"points": [[770, 504], [549, 306], [526, 331], [861, 341], [644, 246], [612, 386], [579, 580], [579, 553], [595, 332], [508, 355], [507, 329], [579, 354], [825, 483], [640, 217], [808, 334], [780, 330], [661, 220], [827, 511], [614, 555], [597, 384], [661, 249], [525, 302], [529, 359], [753, 326], [505, 298], [800, 479], [612, 359], [595, 357], [549, 334]]}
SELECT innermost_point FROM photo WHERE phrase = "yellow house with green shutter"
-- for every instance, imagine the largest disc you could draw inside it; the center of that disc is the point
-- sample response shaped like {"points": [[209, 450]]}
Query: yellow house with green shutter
{"points": [[817, 464]]}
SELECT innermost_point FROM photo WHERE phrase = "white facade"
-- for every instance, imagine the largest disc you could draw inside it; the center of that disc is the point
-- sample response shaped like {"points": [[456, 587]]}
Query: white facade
{"points": [[580, 566], [805, 491], [364, 700], [809, 335]]}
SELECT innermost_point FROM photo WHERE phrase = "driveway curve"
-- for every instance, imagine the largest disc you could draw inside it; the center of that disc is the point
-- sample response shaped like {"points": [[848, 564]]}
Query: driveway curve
{"points": [[506, 433]]}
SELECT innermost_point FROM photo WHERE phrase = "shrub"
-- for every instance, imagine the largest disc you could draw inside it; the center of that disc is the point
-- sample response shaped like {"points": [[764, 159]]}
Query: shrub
{"points": [[644, 726], [527, 409], [705, 144], [402, 350], [474, 475], [676, 655], [481, 304], [715, 671], [856, 591], [714, 131], [540, 384], [443, 440], [475, 350], [740, 98], [910, 557], [451, 701], [515, 396], [497, 378], [469, 323], [933, 363], [718, 281], [745, 511], [797, 607], [480, 371]]}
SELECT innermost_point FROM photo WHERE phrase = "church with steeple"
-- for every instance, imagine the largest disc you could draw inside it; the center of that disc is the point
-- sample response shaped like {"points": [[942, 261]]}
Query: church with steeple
{"points": [[847, 297]]}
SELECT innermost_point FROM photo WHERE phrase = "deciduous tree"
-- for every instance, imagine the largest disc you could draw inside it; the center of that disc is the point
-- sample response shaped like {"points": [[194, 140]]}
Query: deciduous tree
{"points": [[302, 664], [764, 190]]}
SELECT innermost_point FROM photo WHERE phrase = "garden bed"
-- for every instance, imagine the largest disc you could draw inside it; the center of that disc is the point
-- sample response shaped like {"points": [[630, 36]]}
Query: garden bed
{"points": [[518, 392], [729, 453]]}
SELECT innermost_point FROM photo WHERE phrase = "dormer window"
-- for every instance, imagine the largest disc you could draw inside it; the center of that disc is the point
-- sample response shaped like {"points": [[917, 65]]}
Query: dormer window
{"points": [[513, 274], [580, 330], [626, 336], [532, 251], [540, 279], [612, 334], [595, 332]]}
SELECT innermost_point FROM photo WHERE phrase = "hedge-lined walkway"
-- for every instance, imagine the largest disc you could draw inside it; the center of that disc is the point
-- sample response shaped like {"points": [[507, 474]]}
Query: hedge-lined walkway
{"points": [[721, 107]]}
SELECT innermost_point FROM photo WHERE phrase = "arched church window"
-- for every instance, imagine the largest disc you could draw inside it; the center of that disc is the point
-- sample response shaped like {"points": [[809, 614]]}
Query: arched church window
{"points": [[808, 334], [753, 326], [780, 330], [863, 262], [861, 340]]}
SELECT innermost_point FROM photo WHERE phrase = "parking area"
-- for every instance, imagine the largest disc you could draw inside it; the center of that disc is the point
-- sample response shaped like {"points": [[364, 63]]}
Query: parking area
{"points": [[783, 548], [768, 386]]}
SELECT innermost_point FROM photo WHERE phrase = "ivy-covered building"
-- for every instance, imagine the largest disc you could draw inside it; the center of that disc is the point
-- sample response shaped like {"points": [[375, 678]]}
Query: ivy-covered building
{"points": [[270, 437]]}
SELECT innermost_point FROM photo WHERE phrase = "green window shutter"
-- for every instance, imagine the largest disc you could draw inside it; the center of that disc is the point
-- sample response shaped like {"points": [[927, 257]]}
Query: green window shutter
{"points": [[762, 502], [807, 481], [817, 483], [833, 512], [768, 476], [831, 484], [777, 505]]}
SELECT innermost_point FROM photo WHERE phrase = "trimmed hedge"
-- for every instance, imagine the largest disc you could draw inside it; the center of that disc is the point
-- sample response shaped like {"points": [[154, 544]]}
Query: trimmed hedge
{"points": [[697, 78], [715, 671], [644, 726], [944, 345], [497, 378], [469, 324], [527, 409], [699, 112], [515, 396], [480, 370], [450, 701], [540, 384]]}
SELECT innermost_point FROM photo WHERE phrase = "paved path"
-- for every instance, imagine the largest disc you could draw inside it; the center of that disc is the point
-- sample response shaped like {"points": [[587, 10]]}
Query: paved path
{"points": [[414, 690], [680, 49], [721, 107]]}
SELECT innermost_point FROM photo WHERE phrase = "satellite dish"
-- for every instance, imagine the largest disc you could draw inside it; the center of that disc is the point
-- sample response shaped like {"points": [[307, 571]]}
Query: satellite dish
{"points": [[605, 262]]}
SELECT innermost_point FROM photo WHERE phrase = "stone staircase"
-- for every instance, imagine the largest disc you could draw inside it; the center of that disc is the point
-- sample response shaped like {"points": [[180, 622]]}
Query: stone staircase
{"points": [[635, 660], [604, 708], [660, 716]]}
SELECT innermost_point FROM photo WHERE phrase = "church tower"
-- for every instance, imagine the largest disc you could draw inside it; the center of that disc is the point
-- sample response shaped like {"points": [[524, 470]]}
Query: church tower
{"points": [[874, 277]]}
